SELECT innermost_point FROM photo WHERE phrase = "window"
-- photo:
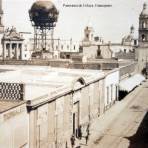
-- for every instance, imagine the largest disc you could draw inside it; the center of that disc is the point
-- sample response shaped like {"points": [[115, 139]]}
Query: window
{"points": [[143, 25], [135, 42], [112, 92], [7, 46], [67, 46], [98, 52], [87, 36], [62, 47], [107, 95], [14, 45], [91, 36], [20, 46], [143, 37], [68, 56], [73, 123], [74, 47], [116, 92]]}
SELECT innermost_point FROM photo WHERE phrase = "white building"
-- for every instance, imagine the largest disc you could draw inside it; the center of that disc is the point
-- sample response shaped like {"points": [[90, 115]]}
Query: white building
{"points": [[13, 46], [56, 46], [57, 101]]}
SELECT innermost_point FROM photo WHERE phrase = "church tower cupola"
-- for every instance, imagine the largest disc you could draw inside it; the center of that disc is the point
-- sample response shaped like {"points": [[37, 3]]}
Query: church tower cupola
{"points": [[145, 10]]}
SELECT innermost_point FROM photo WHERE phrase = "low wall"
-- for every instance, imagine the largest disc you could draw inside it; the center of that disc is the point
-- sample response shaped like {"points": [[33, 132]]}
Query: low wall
{"points": [[127, 70], [63, 64]]}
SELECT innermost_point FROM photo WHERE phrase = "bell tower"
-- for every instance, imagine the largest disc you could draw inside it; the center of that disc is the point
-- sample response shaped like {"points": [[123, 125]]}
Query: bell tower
{"points": [[142, 50], [132, 29], [143, 27], [1, 18], [88, 34]]}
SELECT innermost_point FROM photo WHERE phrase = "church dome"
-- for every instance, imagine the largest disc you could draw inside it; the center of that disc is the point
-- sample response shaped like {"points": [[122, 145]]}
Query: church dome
{"points": [[145, 10]]}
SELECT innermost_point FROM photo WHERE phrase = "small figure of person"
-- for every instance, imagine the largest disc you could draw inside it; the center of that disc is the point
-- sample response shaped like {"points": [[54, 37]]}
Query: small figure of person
{"points": [[79, 132], [66, 146], [87, 130], [87, 134], [72, 139], [86, 138]]}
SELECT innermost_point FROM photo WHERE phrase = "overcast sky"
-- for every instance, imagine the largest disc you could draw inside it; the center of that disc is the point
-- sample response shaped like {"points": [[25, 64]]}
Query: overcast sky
{"points": [[111, 23]]}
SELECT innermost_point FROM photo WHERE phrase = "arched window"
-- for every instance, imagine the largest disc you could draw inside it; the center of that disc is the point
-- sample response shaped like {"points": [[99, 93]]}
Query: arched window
{"points": [[143, 37], [143, 24], [87, 36]]}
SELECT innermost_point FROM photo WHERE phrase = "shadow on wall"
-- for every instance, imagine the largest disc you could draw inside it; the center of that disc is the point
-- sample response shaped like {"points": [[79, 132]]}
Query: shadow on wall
{"points": [[140, 139], [122, 94]]}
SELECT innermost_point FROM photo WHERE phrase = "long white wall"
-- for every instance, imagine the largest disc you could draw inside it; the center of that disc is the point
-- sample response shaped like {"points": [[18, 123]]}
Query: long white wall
{"points": [[111, 88]]}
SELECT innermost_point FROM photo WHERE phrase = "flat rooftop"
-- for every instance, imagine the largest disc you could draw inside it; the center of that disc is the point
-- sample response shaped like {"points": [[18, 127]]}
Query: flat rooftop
{"points": [[41, 82], [45, 74]]}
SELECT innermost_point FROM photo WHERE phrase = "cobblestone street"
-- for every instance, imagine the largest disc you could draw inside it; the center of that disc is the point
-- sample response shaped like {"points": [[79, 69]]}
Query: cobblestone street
{"points": [[129, 129]]}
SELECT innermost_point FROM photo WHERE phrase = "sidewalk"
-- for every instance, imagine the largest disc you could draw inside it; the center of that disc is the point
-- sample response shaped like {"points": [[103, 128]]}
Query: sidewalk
{"points": [[101, 124]]}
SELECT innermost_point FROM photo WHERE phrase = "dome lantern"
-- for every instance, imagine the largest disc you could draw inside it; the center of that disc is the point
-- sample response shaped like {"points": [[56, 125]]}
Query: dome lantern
{"points": [[144, 10]]}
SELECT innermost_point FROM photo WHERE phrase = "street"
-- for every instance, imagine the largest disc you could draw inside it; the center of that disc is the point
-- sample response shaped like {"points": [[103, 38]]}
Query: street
{"points": [[130, 128]]}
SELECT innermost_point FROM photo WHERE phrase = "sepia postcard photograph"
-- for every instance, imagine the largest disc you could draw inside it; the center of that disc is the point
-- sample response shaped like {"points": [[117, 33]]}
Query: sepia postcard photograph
{"points": [[73, 73]]}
